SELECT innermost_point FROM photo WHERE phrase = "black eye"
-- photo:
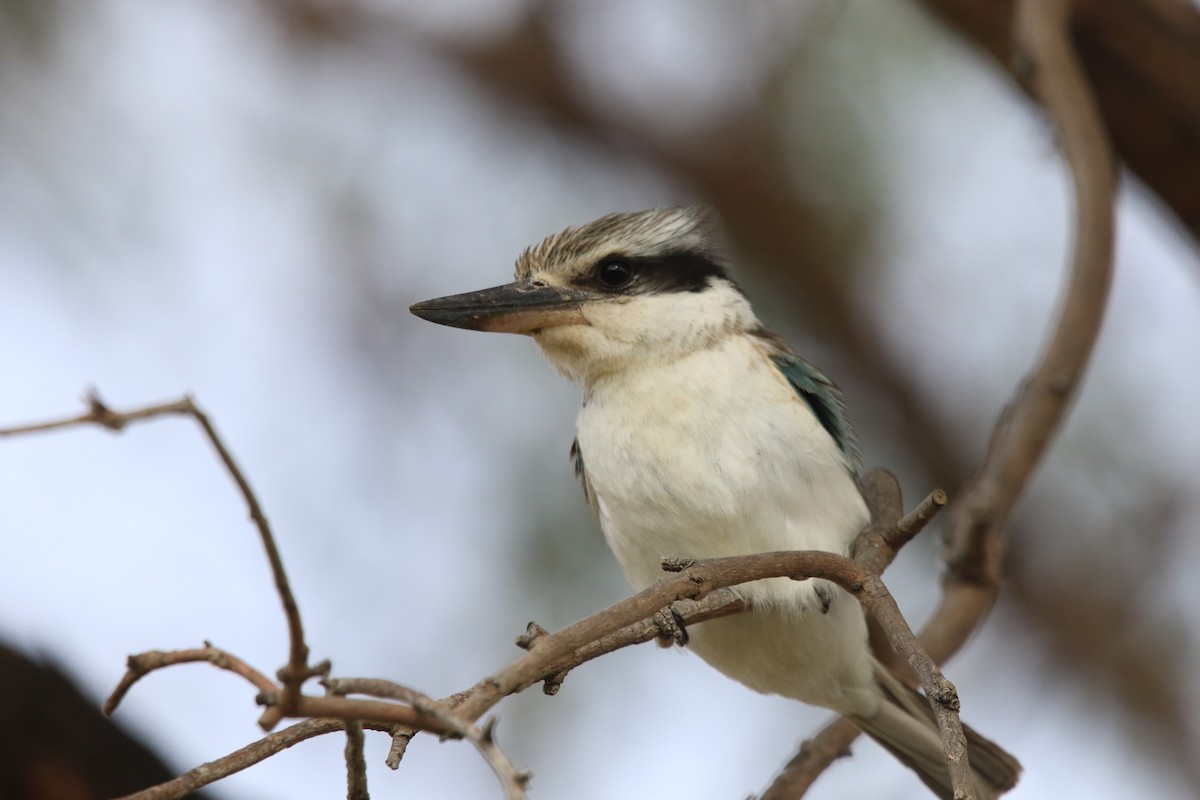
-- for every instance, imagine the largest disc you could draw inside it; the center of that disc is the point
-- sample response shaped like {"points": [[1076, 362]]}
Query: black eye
{"points": [[614, 273]]}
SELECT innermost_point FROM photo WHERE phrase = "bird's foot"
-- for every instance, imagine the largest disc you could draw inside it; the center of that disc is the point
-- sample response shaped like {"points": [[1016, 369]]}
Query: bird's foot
{"points": [[671, 629]]}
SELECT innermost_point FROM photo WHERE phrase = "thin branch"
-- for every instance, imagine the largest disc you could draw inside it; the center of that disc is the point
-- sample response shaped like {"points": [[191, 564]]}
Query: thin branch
{"points": [[297, 670], [484, 740], [814, 757], [698, 593], [915, 521], [238, 760], [142, 664], [883, 496], [875, 549], [699, 578], [102, 415], [356, 762]]}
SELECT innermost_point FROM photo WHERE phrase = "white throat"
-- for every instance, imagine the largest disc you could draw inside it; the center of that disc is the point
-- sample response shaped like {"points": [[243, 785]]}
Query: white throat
{"points": [[640, 331]]}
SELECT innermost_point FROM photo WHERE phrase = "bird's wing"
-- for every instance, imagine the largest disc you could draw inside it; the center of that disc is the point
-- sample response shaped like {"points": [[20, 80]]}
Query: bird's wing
{"points": [[820, 394], [581, 474]]}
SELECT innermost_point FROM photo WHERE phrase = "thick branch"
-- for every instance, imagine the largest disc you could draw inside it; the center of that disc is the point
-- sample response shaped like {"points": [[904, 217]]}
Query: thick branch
{"points": [[1024, 432]]}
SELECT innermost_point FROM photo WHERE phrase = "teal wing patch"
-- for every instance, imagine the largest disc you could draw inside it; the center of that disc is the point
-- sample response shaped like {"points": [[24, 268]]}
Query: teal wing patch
{"points": [[824, 398]]}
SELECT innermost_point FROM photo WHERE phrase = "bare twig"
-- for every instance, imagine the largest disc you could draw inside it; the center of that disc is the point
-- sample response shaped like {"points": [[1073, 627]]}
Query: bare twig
{"points": [[356, 762], [699, 592], [100, 414], [142, 664], [297, 670], [915, 521], [513, 781], [875, 549], [401, 736], [238, 760], [814, 757], [700, 578]]}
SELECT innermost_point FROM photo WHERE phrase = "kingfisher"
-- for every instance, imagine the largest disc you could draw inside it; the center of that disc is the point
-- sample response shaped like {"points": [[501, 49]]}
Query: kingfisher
{"points": [[702, 434]]}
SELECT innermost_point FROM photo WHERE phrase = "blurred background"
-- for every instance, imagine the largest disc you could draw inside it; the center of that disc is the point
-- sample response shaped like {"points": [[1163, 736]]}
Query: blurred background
{"points": [[240, 200]]}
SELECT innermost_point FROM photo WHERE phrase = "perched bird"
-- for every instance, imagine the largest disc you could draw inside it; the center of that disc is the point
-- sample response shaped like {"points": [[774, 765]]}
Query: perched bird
{"points": [[701, 435]]}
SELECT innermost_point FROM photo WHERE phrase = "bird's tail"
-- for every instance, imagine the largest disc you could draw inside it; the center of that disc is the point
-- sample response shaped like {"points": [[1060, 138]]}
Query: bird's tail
{"points": [[905, 725]]}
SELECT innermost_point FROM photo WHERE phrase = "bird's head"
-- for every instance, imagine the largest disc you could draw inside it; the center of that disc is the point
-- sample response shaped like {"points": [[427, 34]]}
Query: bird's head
{"points": [[623, 291]]}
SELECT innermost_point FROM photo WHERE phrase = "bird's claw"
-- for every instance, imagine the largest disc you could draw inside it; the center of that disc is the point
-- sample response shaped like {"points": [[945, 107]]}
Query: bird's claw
{"points": [[671, 629]]}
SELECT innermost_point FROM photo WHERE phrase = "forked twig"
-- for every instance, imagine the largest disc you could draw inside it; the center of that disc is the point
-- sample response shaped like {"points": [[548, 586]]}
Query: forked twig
{"points": [[695, 581], [297, 670], [699, 592], [483, 738]]}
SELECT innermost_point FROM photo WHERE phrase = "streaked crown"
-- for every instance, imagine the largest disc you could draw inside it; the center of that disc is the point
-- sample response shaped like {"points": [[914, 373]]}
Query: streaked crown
{"points": [[665, 249]]}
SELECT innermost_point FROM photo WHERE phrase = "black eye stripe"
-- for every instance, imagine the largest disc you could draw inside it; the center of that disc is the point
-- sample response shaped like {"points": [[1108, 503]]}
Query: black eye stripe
{"points": [[679, 271], [615, 272]]}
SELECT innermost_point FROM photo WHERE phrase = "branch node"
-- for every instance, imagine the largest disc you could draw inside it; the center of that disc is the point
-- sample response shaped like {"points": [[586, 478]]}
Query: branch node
{"points": [[553, 683], [677, 564], [488, 732], [702, 587], [532, 633], [946, 696], [102, 415]]}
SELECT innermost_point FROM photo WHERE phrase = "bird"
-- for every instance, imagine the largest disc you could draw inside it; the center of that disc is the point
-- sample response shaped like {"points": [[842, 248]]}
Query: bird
{"points": [[702, 434]]}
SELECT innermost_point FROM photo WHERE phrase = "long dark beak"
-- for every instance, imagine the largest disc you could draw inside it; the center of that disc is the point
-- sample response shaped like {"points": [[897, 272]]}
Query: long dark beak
{"points": [[521, 307]]}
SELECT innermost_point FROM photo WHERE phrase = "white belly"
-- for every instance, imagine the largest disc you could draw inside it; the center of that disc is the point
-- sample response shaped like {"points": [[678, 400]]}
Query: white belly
{"points": [[716, 455]]}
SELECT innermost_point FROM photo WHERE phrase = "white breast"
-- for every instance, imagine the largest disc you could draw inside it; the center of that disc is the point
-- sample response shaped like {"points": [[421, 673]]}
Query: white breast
{"points": [[710, 455], [715, 455]]}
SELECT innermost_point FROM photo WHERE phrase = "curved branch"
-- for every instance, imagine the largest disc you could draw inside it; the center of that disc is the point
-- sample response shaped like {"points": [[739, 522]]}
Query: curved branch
{"points": [[297, 670], [1024, 432], [142, 664]]}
